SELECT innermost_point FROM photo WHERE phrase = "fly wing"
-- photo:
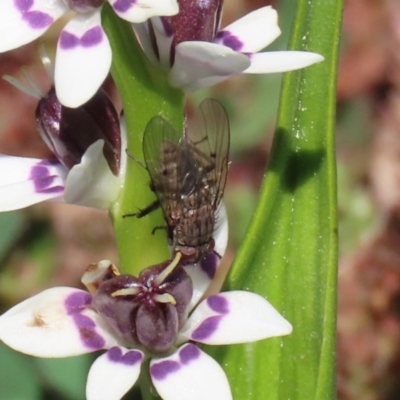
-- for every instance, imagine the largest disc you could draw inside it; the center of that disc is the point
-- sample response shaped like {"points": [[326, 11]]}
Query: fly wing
{"points": [[161, 149], [209, 137]]}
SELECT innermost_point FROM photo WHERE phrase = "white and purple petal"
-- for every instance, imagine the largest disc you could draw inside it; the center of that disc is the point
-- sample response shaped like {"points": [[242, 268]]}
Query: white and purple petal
{"points": [[27, 181], [202, 274], [191, 374], [203, 64], [55, 323], [83, 59], [160, 38], [163, 38], [113, 374], [91, 182], [251, 33], [140, 10], [281, 61], [234, 317], [22, 21]]}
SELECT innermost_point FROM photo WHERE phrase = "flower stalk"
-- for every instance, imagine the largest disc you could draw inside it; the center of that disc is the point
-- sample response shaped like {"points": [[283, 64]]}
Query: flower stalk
{"points": [[145, 93]]}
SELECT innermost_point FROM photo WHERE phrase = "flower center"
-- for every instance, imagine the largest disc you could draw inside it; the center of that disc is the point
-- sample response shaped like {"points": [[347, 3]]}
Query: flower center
{"points": [[83, 6], [147, 311]]}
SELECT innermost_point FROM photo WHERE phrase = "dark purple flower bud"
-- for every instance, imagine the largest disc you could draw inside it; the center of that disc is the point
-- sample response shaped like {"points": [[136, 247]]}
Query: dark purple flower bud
{"points": [[146, 311], [196, 20], [83, 6], [70, 131]]}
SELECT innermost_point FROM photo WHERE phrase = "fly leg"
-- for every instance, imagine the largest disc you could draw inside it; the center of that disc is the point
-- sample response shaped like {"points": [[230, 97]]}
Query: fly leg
{"points": [[144, 211], [159, 228]]}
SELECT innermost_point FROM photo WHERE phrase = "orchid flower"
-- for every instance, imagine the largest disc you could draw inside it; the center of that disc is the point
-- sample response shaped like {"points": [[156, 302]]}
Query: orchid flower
{"points": [[199, 55], [87, 142], [135, 319], [83, 57]]}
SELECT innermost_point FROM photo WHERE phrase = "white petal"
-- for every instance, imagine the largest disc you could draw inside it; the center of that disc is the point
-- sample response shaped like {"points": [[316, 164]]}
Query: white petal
{"points": [[202, 64], [141, 10], [142, 32], [189, 374], [163, 41], [234, 317], [83, 59], [202, 274], [29, 181], [253, 32], [113, 374], [55, 323], [221, 230], [22, 21], [91, 182], [281, 61]]}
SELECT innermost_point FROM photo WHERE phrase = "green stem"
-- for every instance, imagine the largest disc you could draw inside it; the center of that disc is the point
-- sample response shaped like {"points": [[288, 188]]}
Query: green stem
{"points": [[146, 385], [145, 93]]}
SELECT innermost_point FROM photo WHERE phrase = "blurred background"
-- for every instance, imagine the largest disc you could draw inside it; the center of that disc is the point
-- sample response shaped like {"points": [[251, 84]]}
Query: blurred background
{"points": [[50, 244]]}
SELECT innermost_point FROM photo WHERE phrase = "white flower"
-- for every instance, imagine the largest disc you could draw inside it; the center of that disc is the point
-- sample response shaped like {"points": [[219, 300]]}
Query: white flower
{"points": [[62, 322], [29, 181], [236, 49], [87, 142], [83, 52]]}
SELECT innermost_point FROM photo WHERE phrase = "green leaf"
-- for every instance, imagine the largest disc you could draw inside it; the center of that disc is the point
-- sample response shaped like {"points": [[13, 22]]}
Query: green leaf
{"points": [[12, 224], [66, 375], [17, 376], [289, 254]]}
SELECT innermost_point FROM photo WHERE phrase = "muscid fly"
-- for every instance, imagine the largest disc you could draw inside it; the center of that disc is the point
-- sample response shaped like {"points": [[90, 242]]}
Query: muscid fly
{"points": [[188, 174]]}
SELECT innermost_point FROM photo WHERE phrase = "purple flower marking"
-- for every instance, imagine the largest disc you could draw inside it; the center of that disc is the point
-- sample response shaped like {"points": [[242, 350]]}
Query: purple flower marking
{"points": [[162, 369], [229, 40], [37, 19], [123, 5], [188, 353], [209, 264], [90, 38], [218, 304], [206, 328], [44, 185], [75, 304], [43, 180], [23, 5], [130, 358], [87, 332], [68, 40], [167, 27]]}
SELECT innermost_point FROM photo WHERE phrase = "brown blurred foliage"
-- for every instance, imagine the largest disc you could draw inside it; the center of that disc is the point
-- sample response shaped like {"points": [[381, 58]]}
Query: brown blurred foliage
{"points": [[369, 278]]}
